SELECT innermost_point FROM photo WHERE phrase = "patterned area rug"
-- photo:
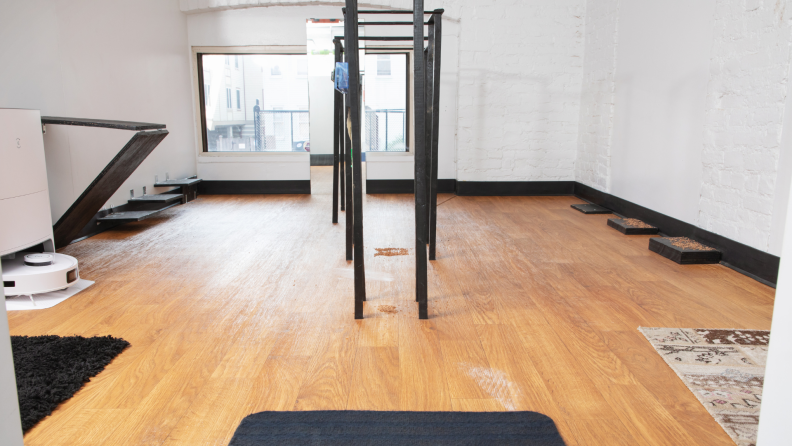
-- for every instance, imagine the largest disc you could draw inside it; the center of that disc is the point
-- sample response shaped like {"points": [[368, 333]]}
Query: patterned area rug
{"points": [[723, 368]]}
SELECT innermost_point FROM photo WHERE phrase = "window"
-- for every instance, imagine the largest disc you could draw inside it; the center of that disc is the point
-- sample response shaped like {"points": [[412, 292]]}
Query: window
{"points": [[265, 110], [383, 65], [385, 99]]}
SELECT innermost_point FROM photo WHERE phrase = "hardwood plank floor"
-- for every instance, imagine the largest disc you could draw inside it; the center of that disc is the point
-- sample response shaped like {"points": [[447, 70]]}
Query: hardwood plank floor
{"points": [[238, 304]]}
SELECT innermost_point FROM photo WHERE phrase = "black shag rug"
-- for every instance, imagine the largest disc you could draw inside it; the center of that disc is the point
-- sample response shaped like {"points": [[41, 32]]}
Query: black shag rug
{"points": [[397, 428], [51, 369]]}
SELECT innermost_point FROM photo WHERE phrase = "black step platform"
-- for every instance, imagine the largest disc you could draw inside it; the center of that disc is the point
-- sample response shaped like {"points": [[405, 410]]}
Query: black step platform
{"points": [[628, 226], [160, 198], [187, 186], [684, 256], [590, 209], [181, 182], [130, 216]]}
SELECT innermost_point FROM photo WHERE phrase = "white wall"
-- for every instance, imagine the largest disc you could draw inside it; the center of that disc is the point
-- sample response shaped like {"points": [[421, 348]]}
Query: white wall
{"points": [[745, 111], [775, 427], [660, 91], [520, 69], [682, 109], [99, 59], [595, 136], [10, 422]]}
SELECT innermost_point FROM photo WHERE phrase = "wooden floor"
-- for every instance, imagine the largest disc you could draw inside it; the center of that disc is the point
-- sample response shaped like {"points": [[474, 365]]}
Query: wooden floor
{"points": [[240, 304]]}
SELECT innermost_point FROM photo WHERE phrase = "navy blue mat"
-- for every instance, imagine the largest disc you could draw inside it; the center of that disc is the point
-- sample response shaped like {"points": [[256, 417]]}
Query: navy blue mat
{"points": [[396, 428]]}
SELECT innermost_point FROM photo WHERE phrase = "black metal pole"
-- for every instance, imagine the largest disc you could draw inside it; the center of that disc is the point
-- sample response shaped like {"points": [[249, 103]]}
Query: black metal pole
{"points": [[336, 144], [428, 56], [351, 40], [350, 207], [436, 29], [419, 79], [339, 128]]}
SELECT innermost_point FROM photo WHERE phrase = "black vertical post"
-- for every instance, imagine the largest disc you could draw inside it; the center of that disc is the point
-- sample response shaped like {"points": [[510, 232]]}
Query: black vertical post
{"points": [[419, 79], [436, 31], [350, 207], [336, 144], [339, 124], [354, 96], [428, 57]]}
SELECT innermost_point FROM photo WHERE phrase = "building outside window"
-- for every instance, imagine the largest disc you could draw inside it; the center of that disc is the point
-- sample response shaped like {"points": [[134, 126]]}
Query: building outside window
{"points": [[266, 103], [385, 103], [383, 65]]}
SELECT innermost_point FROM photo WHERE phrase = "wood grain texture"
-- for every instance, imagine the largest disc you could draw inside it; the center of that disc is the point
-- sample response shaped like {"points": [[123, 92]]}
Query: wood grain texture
{"points": [[235, 304]]}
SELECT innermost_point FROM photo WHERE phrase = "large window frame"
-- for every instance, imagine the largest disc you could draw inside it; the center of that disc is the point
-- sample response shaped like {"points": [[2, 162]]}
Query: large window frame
{"points": [[199, 95]]}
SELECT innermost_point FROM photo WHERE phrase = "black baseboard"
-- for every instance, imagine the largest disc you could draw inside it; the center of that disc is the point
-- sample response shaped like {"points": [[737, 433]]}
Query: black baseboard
{"points": [[321, 159], [514, 188], [740, 257], [254, 187], [444, 186]]}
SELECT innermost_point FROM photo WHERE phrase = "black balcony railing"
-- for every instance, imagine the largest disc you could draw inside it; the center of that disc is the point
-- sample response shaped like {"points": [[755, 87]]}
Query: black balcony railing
{"points": [[385, 130], [280, 130]]}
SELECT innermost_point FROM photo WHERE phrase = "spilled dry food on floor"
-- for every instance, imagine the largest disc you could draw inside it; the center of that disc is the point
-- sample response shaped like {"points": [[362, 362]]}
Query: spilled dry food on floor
{"points": [[390, 252]]}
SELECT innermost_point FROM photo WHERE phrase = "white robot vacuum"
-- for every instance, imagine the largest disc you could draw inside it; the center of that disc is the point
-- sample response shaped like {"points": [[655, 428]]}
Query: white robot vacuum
{"points": [[30, 263], [36, 273]]}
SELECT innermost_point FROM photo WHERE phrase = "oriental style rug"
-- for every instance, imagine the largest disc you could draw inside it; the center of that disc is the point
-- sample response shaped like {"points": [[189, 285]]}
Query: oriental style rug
{"points": [[724, 368]]}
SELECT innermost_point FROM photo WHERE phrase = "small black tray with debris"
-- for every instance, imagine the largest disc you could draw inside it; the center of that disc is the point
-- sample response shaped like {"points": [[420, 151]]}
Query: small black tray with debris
{"points": [[684, 250], [631, 226]]}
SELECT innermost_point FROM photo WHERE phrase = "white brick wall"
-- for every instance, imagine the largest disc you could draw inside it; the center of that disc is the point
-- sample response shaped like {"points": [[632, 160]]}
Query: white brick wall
{"points": [[745, 108], [520, 69], [592, 166]]}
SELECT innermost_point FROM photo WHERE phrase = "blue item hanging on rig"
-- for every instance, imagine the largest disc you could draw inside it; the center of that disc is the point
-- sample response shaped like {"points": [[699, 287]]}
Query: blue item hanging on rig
{"points": [[341, 77]]}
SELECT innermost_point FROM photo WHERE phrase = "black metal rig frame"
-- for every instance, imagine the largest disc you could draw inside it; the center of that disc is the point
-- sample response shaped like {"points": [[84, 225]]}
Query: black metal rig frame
{"points": [[347, 151]]}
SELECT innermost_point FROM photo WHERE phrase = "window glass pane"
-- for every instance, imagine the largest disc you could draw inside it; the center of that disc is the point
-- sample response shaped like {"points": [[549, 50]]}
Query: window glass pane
{"points": [[385, 103], [383, 65], [266, 103]]}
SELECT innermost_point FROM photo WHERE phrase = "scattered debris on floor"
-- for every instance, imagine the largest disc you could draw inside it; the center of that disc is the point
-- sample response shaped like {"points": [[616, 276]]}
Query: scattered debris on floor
{"points": [[390, 252], [390, 309]]}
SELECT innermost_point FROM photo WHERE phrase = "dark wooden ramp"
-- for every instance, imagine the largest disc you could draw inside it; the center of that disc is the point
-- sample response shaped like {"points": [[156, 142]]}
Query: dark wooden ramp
{"points": [[112, 176]]}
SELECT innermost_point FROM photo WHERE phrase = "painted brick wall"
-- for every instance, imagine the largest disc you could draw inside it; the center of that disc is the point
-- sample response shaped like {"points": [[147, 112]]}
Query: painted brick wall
{"points": [[592, 165], [745, 108], [520, 70]]}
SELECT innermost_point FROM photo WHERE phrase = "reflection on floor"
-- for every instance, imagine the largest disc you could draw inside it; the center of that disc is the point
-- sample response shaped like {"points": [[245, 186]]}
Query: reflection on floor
{"points": [[233, 305]]}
